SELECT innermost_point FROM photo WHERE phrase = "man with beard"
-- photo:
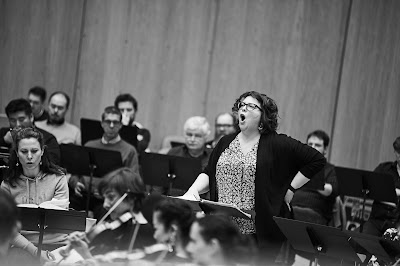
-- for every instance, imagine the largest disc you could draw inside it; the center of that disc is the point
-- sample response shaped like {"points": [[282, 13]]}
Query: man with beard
{"points": [[128, 107], [64, 132], [225, 124], [19, 113]]}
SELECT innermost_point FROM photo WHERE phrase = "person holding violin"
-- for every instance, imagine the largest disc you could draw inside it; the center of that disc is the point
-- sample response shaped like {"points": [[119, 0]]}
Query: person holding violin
{"points": [[124, 226]]}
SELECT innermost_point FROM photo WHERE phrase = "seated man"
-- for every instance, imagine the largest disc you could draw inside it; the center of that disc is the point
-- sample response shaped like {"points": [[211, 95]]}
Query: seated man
{"points": [[111, 123], [386, 215], [312, 205], [196, 131], [225, 124], [19, 113], [37, 97], [64, 132], [128, 106]]}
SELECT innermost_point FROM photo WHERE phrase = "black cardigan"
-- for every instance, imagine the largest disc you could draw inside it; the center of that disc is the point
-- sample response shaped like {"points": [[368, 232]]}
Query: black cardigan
{"points": [[279, 158]]}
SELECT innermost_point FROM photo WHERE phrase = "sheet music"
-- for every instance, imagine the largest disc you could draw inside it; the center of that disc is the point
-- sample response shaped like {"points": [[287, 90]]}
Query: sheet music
{"points": [[53, 204]]}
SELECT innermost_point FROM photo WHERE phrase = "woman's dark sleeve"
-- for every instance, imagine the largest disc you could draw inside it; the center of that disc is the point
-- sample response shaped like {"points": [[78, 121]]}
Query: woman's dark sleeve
{"points": [[309, 160]]}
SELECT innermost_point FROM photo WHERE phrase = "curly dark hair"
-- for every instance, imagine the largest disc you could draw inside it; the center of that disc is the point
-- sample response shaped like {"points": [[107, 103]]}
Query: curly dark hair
{"points": [[126, 97], [269, 115], [396, 145], [236, 248], [321, 135], [177, 212], [47, 166]]}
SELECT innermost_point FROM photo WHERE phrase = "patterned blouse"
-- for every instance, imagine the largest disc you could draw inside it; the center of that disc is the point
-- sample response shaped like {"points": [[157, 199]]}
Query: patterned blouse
{"points": [[235, 180]]}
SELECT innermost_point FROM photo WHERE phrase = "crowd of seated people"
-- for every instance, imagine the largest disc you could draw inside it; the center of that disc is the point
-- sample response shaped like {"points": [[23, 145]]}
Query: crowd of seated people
{"points": [[171, 234]]}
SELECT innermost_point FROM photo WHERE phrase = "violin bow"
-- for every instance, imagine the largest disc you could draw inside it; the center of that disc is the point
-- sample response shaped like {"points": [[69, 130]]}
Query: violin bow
{"points": [[112, 208], [133, 239]]}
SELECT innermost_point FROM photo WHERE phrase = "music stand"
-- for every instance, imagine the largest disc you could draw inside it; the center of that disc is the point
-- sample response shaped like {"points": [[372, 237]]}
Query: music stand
{"points": [[52, 221], [373, 244], [366, 184], [184, 171], [317, 239], [89, 161], [155, 169], [91, 129]]}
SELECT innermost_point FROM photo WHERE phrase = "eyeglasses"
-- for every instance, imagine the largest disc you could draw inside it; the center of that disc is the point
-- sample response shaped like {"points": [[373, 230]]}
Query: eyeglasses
{"points": [[249, 106], [109, 122]]}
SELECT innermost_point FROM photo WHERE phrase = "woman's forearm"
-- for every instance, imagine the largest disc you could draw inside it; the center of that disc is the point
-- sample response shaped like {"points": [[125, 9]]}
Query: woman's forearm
{"points": [[299, 180], [201, 184]]}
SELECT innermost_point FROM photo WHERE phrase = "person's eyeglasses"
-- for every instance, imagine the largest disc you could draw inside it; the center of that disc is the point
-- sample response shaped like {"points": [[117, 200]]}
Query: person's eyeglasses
{"points": [[109, 122], [223, 125], [249, 106]]}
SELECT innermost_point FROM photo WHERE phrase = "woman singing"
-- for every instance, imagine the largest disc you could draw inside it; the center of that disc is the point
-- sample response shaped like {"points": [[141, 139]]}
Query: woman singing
{"points": [[258, 169]]}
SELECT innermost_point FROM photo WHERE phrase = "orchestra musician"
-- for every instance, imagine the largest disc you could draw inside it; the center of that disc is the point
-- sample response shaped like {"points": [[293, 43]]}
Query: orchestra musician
{"points": [[32, 178], [124, 226]]}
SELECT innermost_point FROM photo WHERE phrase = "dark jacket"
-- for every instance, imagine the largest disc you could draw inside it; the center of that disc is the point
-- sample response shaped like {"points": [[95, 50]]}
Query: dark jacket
{"points": [[279, 158]]}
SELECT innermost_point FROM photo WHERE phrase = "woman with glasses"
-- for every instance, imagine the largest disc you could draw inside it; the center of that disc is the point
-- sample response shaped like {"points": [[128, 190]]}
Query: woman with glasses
{"points": [[258, 170], [32, 178]]}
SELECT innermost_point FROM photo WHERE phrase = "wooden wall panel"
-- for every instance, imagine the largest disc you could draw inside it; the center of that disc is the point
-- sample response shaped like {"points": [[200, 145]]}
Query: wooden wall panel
{"points": [[368, 116], [181, 58], [156, 50], [289, 50], [38, 46]]}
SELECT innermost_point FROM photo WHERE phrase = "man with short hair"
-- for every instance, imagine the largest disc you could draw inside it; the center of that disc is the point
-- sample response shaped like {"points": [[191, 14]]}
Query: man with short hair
{"points": [[225, 124], [385, 215], [37, 97], [128, 107], [64, 132], [311, 205], [19, 113], [111, 140]]}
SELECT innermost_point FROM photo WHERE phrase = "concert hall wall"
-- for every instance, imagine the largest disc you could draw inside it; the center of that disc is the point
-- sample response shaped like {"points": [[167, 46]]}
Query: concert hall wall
{"points": [[332, 65]]}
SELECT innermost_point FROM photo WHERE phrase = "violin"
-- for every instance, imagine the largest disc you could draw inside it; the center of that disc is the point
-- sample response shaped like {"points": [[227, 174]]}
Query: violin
{"points": [[101, 227], [125, 255]]}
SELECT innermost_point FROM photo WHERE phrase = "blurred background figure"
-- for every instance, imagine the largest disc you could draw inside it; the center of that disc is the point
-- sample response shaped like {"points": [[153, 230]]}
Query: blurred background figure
{"points": [[215, 240], [128, 106], [64, 132], [196, 130], [225, 124], [37, 97]]}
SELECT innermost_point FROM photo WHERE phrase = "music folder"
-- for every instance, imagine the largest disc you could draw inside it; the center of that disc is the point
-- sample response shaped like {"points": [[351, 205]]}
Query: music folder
{"points": [[91, 129], [213, 207]]}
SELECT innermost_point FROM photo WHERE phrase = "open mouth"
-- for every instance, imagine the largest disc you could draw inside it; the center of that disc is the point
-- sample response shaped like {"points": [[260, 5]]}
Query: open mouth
{"points": [[242, 117]]}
